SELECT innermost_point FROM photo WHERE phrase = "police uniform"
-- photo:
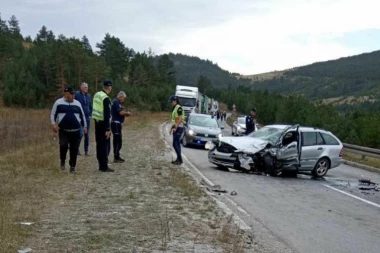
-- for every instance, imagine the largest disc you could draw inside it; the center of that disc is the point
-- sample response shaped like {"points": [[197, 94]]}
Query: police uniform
{"points": [[177, 134], [249, 123], [101, 113]]}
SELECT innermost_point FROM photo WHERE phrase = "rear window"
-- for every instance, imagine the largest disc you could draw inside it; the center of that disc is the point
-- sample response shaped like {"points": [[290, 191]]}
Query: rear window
{"points": [[309, 138], [329, 140]]}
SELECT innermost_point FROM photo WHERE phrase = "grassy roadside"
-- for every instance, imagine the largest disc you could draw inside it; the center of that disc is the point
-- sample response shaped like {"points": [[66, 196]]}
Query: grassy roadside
{"points": [[369, 161], [147, 205]]}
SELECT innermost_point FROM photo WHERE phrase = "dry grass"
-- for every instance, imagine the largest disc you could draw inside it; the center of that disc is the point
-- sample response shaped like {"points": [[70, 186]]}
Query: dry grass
{"points": [[147, 205], [369, 161], [348, 100]]}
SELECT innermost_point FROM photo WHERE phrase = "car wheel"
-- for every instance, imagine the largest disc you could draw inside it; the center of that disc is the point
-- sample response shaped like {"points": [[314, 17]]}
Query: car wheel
{"points": [[321, 168], [184, 141]]}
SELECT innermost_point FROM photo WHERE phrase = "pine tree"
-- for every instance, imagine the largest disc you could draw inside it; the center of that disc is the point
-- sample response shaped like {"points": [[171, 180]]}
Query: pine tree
{"points": [[14, 27]]}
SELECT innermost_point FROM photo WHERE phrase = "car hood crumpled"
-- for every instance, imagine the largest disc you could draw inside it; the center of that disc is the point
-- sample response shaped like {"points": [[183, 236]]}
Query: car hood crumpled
{"points": [[247, 145]]}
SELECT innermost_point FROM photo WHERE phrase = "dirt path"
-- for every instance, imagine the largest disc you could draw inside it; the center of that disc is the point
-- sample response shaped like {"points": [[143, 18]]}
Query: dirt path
{"points": [[147, 205]]}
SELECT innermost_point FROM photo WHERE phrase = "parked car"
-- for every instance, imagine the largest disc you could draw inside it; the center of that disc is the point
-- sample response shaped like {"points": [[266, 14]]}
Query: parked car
{"points": [[201, 128], [238, 127], [276, 148]]}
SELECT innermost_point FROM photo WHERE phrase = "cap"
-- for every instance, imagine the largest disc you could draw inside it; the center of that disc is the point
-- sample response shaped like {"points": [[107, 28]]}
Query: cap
{"points": [[69, 89], [172, 98], [107, 83]]}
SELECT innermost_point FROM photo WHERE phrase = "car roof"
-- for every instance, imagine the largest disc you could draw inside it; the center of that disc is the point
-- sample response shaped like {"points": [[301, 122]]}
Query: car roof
{"points": [[302, 128]]}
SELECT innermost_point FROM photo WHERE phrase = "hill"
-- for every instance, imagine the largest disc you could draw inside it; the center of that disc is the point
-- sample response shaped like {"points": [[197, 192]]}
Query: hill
{"points": [[349, 76], [190, 68]]}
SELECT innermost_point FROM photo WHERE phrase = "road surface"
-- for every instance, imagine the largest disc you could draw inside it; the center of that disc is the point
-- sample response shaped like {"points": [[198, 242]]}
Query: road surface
{"points": [[307, 215]]}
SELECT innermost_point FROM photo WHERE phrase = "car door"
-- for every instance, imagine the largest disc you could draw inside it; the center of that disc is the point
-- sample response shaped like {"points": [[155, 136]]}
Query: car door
{"points": [[289, 149], [312, 149]]}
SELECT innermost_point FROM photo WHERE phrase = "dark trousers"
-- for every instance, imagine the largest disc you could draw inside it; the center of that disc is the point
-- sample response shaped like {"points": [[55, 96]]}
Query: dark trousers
{"points": [[117, 138], [177, 142], [66, 139], [86, 136], [102, 145]]}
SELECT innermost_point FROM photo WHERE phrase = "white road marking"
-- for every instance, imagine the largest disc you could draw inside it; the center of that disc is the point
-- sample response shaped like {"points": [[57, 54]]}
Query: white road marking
{"points": [[353, 196]]}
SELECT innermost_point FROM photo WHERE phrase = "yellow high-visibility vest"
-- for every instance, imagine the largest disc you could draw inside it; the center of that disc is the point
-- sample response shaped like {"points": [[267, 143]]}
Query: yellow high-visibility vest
{"points": [[175, 115], [97, 105]]}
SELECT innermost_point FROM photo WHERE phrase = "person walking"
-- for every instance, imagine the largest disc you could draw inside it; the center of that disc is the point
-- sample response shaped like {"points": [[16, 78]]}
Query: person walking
{"points": [[67, 118], [117, 119], [177, 120], [101, 113], [85, 99], [250, 122]]}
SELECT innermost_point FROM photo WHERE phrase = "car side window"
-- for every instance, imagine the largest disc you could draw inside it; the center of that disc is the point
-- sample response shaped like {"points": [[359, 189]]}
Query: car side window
{"points": [[320, 139], [329, 140], [309, 139], [288, 138]]}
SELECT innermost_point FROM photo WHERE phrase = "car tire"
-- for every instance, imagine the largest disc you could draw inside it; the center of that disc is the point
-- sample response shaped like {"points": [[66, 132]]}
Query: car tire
{"points": [[184, 141], [321, 168]]}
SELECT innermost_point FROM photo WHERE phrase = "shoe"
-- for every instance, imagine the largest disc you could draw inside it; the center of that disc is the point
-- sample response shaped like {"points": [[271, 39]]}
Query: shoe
{"points": [[108, 170], [79, 153], [73, 170], [178, 163], [63, 166], [119, 160], [174, 162], [87, 154]]}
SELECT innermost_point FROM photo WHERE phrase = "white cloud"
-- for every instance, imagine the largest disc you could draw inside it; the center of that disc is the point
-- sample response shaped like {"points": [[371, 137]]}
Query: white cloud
{"points": [[246, 36]]}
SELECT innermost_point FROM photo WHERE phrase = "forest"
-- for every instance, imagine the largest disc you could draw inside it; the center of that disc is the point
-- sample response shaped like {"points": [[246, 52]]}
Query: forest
{"points": [[34, 72]]}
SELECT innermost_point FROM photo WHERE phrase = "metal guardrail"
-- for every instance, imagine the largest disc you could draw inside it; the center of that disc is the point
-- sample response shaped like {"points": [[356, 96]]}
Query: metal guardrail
{"points": [[363, 151]]}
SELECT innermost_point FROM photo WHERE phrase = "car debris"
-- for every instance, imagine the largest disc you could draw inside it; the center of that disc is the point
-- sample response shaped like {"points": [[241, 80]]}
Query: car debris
{"points": [[233, 193], [370, 185], [26, 250], [214, 188]]}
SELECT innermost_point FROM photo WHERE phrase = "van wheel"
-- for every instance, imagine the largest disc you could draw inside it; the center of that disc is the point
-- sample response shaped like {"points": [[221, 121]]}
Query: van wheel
{"points": [[321, 168]]}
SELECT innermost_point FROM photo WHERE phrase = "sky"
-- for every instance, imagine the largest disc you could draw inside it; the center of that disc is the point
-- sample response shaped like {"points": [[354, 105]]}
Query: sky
{"points": [[241, 36]]}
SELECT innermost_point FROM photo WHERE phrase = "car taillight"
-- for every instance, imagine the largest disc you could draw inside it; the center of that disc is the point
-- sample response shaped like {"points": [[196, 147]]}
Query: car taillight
{"points": [[341, 153]]}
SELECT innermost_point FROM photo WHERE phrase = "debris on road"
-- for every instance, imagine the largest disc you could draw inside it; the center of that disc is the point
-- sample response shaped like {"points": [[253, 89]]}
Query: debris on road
{"points": [[233, 193], [370, 185], [214, 188], [366, 182], [26, 250]]}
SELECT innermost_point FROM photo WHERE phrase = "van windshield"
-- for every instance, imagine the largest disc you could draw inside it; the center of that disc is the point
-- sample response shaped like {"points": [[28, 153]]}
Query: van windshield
{"points": [[187, 101]]}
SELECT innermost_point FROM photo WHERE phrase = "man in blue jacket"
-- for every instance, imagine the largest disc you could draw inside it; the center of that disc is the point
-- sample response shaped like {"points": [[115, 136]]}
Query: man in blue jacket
{"points": [[85, 99], [67, 118]]}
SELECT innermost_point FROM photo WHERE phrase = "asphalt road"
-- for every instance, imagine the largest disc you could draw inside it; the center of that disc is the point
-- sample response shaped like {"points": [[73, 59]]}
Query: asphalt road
{"points": [[326, 215]]}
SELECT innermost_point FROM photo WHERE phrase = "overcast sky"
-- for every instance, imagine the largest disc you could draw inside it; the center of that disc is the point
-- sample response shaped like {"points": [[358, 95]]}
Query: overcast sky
{"points": [[244, 36]]}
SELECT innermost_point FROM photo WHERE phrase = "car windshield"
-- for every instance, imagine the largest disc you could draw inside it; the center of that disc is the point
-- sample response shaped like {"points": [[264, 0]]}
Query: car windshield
{"points": [[241, 120], [203, 121], [187, 101], [270, 134]]}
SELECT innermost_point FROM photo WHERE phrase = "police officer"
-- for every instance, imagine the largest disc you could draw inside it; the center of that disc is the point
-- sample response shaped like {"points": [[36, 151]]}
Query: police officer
{"points": [[178, 119], [118, 115], [101, 113], [250, 122]]}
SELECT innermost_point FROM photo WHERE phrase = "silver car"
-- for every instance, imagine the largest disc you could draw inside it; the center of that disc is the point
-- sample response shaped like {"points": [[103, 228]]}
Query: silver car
{"points": [[238, 127], [201, 128], [307, 148]]}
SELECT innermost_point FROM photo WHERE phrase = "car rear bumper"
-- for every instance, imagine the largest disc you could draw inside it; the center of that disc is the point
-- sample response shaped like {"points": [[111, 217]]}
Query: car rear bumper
{"points": [[335, 162]]}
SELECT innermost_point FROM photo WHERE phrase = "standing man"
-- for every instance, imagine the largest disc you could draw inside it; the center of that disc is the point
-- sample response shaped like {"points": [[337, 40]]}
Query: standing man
{"points": [[67, 118], [85, 99], [117, 119], [250, 122], [177, 119], [101, 113]]}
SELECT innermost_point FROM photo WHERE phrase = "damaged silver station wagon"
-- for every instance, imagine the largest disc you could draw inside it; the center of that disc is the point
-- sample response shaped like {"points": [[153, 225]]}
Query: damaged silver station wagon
{"points": [[277, 148]]}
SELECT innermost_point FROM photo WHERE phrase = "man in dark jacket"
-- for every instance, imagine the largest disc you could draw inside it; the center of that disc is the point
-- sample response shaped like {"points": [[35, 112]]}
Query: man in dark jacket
{"points": [[85, 99], [250, 122], [67, 118]]}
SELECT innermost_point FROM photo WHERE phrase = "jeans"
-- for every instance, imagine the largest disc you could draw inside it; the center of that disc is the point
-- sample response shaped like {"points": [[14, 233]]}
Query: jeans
{"points": [[117, 139], [177, 142], [102, 145], [66, 139], [86, 136]]}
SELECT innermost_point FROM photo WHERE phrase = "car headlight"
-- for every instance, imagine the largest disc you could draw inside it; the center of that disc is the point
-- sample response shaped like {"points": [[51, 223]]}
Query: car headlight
{"points": [[191, 132], [209, 145], [219, 136]]}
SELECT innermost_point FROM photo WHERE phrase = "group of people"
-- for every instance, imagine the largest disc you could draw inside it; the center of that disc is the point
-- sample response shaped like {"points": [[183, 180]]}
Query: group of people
{"points": [[71, 116], [221, 115]]}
